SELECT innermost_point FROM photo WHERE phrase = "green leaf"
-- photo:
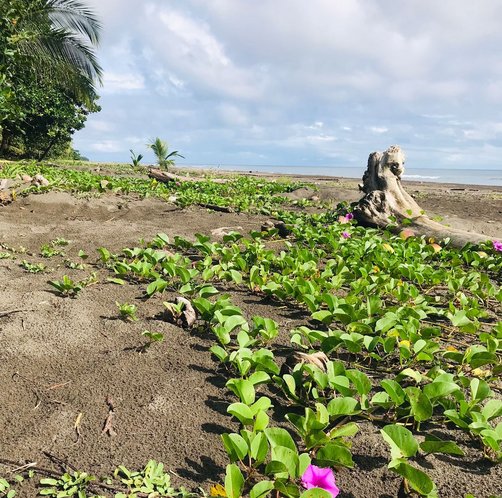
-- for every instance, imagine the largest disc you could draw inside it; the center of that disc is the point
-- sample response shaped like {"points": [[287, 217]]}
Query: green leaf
{"points": [[303, 462], [47, 481], [243, 388], [316, 493], [338, 407], [394, 390], [259, 377], [280, 437], [433, 444], [234, 481], [345, 430], [360, 381], [482, 358], [219, 352], [421, 407], [235, 446], [459, 319], [261, 421], [261, 489], [234, 321], [118, 281], [259, 448], [479, 389], [334, 454], [242, 412], [156, 286], [47, 491], [492, 409], [455, 417], [401, 441], [439, 389], [323, 316], [274, 468], [386, 322], [409, 372], [418, 480], [288, 457], [236, 276]]}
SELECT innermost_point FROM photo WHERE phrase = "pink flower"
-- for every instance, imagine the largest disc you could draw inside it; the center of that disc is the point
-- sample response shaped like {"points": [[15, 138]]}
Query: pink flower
{"points": [[497, 245], [318, 477], [346, 235], [349, 216]]}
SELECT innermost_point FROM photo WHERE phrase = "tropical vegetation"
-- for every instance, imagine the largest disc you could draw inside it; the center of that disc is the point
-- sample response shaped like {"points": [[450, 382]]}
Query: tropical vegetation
{"points": [[403, 334], [49, 74]]}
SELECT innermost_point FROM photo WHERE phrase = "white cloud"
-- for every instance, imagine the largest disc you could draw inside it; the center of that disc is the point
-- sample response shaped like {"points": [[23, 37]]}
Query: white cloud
{"points": [[233, 79], [116, 83], [379, 129], [107, 146]]}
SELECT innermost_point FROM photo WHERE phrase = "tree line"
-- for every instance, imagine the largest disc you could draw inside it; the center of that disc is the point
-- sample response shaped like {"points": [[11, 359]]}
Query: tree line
{"points": [[49, 75]]}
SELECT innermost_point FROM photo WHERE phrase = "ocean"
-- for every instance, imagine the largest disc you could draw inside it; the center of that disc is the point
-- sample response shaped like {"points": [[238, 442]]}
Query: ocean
{"points": [[462, 176]]}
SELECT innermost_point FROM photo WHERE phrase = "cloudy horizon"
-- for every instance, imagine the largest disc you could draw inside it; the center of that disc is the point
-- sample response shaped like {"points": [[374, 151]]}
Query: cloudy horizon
{"points": [[276, 82]]}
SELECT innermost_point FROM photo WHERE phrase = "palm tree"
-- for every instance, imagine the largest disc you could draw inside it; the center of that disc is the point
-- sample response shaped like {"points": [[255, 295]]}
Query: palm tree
{"points": [[161, 151], [46, 40], [57, 38]]}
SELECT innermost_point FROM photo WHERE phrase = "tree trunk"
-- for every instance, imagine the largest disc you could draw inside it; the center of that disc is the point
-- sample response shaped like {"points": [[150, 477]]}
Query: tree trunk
{"points": [[4, 145], [165, 177], [386, 203], [48, 148]]}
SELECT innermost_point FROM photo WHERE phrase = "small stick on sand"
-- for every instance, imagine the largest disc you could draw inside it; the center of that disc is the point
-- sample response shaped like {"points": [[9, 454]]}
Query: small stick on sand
{"points": [[108, 427]]}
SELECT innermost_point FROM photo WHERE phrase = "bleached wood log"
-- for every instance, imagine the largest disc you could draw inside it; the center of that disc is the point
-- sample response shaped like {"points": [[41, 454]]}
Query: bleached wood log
{"points": [[165, 177], [387, 204]]}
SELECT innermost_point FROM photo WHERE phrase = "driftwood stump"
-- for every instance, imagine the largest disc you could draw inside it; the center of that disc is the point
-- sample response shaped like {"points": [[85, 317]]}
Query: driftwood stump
{"points": [[387, 204], [165, 177]]}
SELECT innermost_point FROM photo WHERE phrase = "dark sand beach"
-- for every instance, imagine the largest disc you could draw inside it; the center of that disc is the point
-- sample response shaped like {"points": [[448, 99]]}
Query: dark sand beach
{"points": [[61, 359]]}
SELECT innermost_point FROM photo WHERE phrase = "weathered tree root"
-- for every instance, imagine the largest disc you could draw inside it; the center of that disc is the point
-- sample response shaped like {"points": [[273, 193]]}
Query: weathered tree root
{"points": [[387, 204]]}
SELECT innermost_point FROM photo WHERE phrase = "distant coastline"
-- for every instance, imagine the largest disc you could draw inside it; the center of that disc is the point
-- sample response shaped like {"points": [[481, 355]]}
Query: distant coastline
{"points": [[488, 177]]}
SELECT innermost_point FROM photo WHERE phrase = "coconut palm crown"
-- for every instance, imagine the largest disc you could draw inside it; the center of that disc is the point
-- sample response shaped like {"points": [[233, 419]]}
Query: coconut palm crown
{"points": [[55, 39], [161, 151]]}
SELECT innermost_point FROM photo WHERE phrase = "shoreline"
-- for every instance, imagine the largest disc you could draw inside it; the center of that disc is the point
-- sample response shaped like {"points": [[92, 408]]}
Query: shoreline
{"points": [[478, 177], [456, 186]]}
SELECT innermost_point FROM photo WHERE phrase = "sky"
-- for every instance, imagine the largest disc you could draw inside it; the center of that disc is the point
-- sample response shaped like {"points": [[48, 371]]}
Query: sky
{"points": [[296, 82]]}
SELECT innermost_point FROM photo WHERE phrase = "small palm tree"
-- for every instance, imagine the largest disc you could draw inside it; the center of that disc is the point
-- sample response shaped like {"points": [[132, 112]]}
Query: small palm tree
{"points": [[135, 159], [161, 151]]}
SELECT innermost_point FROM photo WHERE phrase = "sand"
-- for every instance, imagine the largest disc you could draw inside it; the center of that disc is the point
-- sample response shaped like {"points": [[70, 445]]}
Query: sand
{"points": [[62, 359]]}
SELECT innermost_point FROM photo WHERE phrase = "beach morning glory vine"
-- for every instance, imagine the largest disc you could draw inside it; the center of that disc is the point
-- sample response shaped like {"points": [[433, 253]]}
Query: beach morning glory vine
{"points": [[318, 477]]}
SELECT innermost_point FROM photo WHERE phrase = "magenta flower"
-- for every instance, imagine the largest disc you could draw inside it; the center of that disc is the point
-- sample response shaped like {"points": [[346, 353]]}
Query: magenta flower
{"points": [[497, 245], [349, 216], [346, 235], [318, 477]]}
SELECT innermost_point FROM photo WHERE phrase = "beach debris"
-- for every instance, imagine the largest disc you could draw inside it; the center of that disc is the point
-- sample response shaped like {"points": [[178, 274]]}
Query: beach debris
{"points": [[108, 425], [215, 207], [219, 233], [318, 359], [301, 193], [280, 226], [5, 183], [165, 177], [180, 313], [6, 197], [386, 204], [40, 180]]}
